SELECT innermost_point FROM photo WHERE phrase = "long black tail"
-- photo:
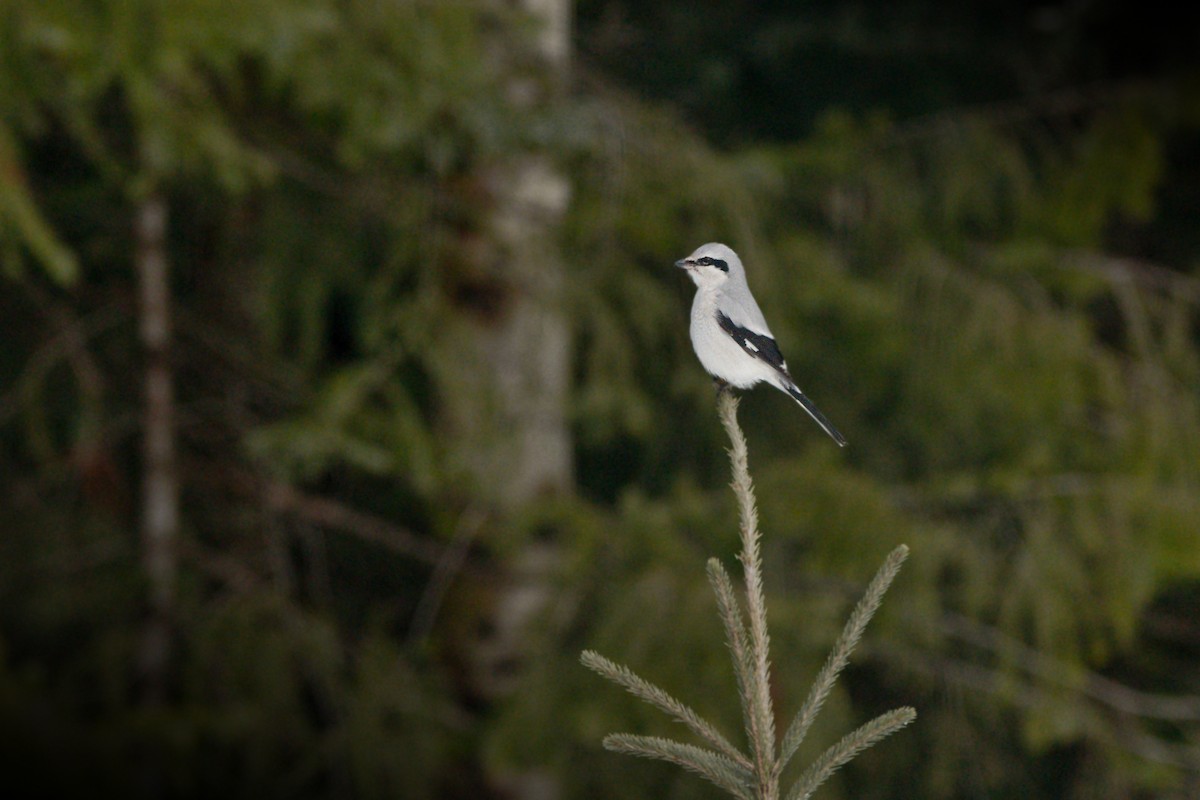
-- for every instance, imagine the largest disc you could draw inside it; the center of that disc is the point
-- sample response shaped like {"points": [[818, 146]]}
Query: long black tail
{"points": [[814, 412]]}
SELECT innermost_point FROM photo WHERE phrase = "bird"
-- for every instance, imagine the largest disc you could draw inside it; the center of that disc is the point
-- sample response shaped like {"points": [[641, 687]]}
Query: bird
{"points": [[730, 335]]}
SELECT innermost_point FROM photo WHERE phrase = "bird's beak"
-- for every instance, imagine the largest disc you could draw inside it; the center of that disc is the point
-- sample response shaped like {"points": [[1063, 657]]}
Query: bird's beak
{"points": [[682, 263]]}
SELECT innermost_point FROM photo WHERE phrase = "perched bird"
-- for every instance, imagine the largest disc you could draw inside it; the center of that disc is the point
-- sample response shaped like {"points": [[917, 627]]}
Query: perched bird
{"points": [[730, 336]]}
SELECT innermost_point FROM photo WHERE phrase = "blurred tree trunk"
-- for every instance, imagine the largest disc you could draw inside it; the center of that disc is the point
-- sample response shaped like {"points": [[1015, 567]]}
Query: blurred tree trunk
{"points": [[511, 405], [506, 398], [510, 399], [525, 354], [160, 483]]}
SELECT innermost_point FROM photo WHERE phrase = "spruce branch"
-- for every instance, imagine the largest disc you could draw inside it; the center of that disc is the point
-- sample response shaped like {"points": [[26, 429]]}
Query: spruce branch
{"points": [[850, 745], [762, 714], [660, 699], [840, 654], [736, 637], [756, 777], [713, 766]]}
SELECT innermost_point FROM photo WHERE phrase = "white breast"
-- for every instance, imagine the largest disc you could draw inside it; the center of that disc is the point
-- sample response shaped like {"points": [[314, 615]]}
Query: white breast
{"points": [[719, 354]]}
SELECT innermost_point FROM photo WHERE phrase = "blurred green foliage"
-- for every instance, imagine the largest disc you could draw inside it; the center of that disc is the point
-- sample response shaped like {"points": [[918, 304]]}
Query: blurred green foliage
{"points": [[977, 228]]}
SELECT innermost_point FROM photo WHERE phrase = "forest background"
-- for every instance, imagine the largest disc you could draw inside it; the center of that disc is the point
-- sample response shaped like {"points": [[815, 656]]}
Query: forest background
{"points": [[346, 393]]}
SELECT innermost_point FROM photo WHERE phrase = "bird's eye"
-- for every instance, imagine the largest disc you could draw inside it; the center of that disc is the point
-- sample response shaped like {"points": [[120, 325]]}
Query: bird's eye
{"points": [[709, 261]]}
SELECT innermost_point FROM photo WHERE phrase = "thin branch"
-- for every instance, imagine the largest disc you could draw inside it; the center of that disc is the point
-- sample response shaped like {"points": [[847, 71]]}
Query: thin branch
{"points": [[73, 333], [710, 765], [660, 699], [1123, 269], [1117, 696], [450, 564], [330, 513], [847, 748], [736, 637], [762, 738], [1032, 696], [840, 654], [279, 496]]}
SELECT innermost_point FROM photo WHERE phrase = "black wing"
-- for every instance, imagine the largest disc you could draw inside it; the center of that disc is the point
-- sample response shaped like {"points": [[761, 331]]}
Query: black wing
{"points": [[759, 345], [764, 348]]}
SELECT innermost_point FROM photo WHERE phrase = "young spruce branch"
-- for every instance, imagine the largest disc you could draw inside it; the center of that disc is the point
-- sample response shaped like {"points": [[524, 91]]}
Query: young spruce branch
{"points": [[756, 775]]}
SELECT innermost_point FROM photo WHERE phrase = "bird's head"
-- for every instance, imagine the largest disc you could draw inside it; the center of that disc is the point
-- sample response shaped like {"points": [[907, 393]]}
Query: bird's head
{"points": [[711, 265]]}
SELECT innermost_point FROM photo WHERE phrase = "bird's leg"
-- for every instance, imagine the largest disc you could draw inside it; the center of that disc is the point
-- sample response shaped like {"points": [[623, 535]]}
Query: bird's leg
{"points": [[721, 386]]}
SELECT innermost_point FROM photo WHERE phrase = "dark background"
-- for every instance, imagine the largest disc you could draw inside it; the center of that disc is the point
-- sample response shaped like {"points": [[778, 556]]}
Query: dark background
{"points": [[434, 424]]}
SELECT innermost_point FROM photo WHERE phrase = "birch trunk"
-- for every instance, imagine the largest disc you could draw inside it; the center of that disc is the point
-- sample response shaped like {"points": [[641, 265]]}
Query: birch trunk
{"points": [[160, 484], [511, 404], [510, 398]]}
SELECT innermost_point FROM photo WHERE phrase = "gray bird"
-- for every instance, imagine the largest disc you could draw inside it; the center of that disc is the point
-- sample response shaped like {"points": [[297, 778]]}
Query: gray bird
{"points": [[730, 336]]}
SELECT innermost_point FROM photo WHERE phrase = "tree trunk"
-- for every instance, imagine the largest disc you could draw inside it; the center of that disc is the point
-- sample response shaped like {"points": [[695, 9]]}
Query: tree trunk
{"points": [[160, 484], [525, 452], [510, 402], [508, 409]]}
